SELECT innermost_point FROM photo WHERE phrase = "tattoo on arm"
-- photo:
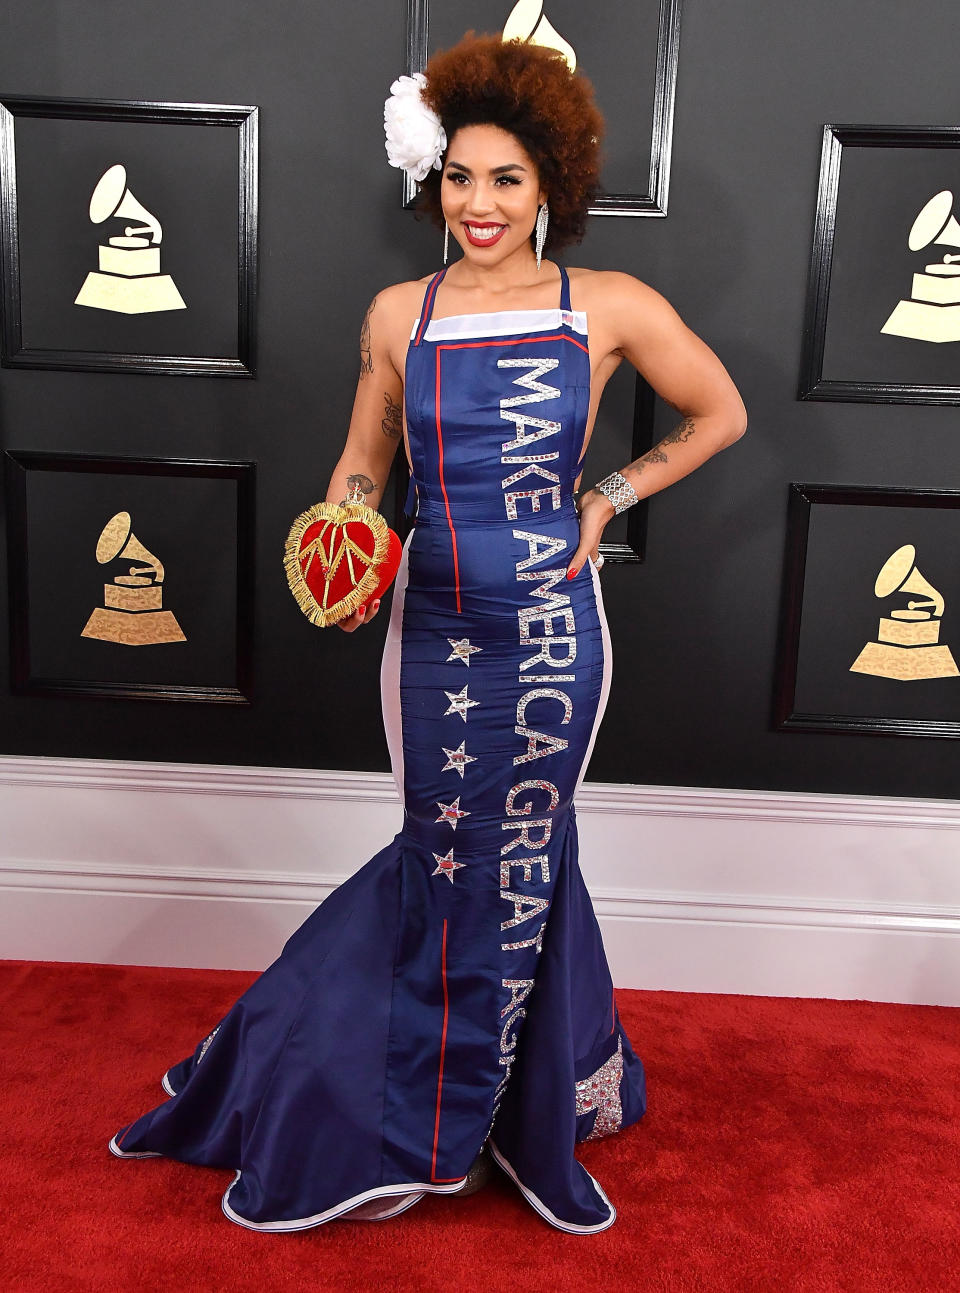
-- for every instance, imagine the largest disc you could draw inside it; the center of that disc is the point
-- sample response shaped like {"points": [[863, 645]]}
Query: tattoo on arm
{"points": [[655, 454], [364, 482], [392, 424], [366, 354], [683, 431], [678, 435]]}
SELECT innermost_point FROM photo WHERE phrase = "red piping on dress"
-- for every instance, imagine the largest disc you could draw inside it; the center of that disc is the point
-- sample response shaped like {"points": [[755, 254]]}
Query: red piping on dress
{"points": [[428, 307], [512, 341], [443, 488], [446, 1180]]}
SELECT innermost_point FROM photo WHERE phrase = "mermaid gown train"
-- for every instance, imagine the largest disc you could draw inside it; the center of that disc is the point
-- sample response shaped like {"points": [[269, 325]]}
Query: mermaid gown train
{"points": [[454, 992]]}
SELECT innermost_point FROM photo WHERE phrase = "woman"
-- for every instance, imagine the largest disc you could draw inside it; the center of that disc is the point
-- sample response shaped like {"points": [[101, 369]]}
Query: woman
{"points": [[454, 994]]}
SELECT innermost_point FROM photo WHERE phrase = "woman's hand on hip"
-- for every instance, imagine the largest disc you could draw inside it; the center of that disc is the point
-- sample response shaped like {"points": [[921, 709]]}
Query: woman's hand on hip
{"points": [[595, 510]]}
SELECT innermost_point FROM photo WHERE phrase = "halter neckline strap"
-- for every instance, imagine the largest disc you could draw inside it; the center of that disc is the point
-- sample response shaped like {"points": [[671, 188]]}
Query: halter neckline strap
{"points": [[430, 297]]}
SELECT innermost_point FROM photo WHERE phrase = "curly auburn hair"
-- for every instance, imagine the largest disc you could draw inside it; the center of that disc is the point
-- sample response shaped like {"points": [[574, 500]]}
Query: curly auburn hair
{"points": [[529, 91]]}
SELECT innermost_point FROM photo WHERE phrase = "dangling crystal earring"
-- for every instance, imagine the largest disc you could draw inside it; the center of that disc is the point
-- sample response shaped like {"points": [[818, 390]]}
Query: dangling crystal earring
{"points": [[446, 241], [543, 216]]}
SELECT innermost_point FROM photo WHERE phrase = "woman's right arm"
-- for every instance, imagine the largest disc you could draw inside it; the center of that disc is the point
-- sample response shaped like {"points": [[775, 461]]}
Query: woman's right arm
{"points": [[376, 424]]}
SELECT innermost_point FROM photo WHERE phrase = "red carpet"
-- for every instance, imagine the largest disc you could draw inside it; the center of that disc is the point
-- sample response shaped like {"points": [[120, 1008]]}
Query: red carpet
{"points": [[789, 1144]]}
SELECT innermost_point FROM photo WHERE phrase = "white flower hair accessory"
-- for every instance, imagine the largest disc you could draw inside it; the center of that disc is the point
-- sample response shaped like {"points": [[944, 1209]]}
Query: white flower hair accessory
{"points": [[415, 137]]}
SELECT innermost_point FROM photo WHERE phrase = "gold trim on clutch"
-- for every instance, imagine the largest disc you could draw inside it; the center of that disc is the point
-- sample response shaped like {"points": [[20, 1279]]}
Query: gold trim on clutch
{"points": [[337, 515]]}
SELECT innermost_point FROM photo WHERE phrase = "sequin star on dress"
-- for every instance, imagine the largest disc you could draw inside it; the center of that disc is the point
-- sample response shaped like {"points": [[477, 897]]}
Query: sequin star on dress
{"points": [[454, 992]]}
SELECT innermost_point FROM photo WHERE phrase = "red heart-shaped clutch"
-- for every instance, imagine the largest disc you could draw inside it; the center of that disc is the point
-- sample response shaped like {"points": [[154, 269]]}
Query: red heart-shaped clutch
{"points": [[339, 557]]}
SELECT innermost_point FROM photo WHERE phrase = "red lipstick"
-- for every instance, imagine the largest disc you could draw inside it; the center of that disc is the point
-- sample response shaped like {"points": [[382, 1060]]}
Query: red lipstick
{"points": [[488, 224]]}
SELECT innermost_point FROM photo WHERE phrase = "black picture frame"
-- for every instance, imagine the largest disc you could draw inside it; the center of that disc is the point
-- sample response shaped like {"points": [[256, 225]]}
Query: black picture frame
{"points": [[837, 142], [14, 352], [787, 713], [631, 548], [19, 464], [648, 200]]}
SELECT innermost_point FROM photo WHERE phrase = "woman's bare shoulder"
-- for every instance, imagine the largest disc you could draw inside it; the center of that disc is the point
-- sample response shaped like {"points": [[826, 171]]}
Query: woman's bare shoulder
{"points": [[622, 308], [399, 297], [608, 287], [396, 306]]}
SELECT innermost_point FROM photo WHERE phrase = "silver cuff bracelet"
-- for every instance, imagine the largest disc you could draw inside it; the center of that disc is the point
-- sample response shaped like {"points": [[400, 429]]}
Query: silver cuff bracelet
{"points": [[619, 491]]}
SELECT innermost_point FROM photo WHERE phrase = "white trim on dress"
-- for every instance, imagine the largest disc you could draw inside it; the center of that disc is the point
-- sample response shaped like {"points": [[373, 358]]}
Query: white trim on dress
{"points": [[409, 1196], [390, 670], [501, 323], [607, 670], [539, 1206], [331, 1214], [114, 1148]]}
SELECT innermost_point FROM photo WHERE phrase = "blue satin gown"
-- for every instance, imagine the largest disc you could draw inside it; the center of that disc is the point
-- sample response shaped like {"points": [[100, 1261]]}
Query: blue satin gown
{"points": [[454, 992]]}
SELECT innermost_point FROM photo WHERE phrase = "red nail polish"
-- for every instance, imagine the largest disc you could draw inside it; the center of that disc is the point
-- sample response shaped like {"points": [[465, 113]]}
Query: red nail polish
{"points": [[571, 573]]}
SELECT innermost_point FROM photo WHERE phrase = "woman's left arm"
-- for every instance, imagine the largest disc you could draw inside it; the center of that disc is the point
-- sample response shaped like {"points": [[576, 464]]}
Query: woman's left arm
{"points": [[645, 329]]}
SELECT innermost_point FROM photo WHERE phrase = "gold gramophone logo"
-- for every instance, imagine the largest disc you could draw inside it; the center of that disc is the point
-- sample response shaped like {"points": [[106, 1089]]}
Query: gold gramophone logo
{"points": [[933, 310], [128, 280], [132, 612], [528, 22], [908, 642]]}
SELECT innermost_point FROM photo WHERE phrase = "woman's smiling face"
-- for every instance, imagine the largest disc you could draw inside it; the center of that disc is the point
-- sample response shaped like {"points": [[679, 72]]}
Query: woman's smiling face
{"points": [[491, 193]]}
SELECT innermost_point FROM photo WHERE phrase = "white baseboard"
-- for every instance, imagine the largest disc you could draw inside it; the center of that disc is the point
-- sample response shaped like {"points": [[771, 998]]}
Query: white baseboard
{"points": [[700, 890]]}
